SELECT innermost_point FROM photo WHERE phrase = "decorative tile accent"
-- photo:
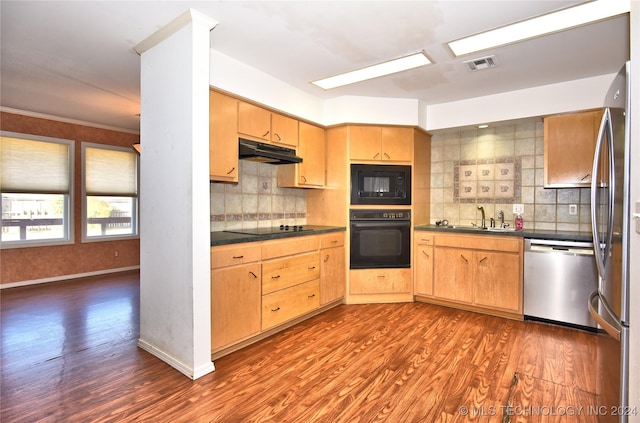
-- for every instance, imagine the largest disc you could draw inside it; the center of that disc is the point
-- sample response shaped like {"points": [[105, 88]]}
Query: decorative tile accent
{"points": [[496, 180]]}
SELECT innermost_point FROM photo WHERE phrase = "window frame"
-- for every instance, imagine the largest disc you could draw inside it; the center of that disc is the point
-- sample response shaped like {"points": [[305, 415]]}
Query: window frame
{"points": [[68, 215], [135, 212]]}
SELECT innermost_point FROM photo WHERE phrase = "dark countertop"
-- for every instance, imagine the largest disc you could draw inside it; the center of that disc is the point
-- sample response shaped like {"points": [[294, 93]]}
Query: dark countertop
{"points": [[526, 233], [226, 238]]}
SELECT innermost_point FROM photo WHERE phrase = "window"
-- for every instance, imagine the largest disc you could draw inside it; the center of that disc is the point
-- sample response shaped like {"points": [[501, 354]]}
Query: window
{"points": [[110, 192], [36, 175]]}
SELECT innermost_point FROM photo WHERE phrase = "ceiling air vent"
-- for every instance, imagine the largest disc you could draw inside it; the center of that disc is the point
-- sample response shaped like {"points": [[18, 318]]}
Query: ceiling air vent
{"points": [[481, 63]]}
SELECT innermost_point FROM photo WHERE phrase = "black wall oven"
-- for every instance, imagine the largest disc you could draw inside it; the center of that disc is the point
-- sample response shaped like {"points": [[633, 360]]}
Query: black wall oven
{"points": [[380, 184], [380, 239]]}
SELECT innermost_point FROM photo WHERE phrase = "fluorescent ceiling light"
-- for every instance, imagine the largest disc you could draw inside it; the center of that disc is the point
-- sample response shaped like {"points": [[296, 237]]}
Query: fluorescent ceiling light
{"points": [[387, 68], [541, 25]]}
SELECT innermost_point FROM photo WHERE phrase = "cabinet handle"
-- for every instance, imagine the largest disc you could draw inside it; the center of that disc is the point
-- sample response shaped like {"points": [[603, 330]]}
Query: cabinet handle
{"points": [[303, 178], [231, 171], [311, 268], [334, 241], [585, 176], [238, 257], [482, 260], [265, 134], [423, 252], [275, 309], [381, 276], [311, 296], [425, 239], [387, 156], [277, 136], [376, 156], [275, 277], [253, 274], [326, 259], [464, 258]]}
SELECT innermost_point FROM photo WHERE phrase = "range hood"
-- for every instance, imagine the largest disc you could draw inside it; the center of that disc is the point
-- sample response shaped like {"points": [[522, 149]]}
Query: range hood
{"points": [[266, 153]]}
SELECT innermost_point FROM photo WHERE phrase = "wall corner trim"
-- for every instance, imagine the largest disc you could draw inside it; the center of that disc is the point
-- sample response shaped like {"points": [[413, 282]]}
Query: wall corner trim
{"points": [[192, 373]]}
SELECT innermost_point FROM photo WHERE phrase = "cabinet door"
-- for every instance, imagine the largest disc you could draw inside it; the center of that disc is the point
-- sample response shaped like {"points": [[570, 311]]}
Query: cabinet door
{"points": [[497, 280], [423, 269], [569, 144], [364, 142], [397, 144], [379, 281], [235, 304], [332, 274], [254, 121], [452, 274], [284, 131], [223, 137], [312, 151]]}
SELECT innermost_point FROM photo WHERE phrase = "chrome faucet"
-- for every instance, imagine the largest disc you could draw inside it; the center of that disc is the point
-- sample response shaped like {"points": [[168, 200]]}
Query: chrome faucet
{"points": [[501, 217], [484, 222]]}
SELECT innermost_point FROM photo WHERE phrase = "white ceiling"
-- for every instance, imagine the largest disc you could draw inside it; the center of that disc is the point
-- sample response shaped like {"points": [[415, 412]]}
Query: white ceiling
{"points": [[75, 59]]}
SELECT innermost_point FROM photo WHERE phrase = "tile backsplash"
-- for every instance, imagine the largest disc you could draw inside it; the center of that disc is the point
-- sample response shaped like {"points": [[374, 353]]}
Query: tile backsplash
{"points": [[256, 200], [495, 168]]}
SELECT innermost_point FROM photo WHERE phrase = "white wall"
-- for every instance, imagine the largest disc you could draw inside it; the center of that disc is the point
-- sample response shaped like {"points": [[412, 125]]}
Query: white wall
{"points": [[175, 312]]}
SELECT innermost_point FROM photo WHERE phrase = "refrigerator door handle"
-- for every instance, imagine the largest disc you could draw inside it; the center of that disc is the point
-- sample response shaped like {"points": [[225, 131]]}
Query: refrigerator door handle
{"points": [[607, 326], [601, 256]]}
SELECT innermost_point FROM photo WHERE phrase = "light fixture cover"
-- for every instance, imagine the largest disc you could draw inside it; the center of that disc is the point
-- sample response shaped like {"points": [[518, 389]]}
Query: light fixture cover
{"points": [[381, 69], [541, 25]]}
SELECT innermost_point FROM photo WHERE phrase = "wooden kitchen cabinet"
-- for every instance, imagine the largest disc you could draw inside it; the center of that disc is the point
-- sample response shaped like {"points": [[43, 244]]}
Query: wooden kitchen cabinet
{"points": [[453, 273], [235, 296], [569, 145], [332, 268], [311, 172], [479, 272], [263, 125], [380, 143], [379, 281], [423, 265], [223, 137]]}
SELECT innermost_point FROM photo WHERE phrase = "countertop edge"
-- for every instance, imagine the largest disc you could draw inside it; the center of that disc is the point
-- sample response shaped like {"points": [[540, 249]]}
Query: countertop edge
{"points": [[526, 233], [227, 238]]}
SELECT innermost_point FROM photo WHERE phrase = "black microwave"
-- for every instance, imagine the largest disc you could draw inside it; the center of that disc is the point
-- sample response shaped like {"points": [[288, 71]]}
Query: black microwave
{"points": [[380, 184]]}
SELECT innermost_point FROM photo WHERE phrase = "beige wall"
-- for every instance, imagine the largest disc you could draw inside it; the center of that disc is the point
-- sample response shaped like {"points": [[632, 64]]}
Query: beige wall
{"points": [[52, 262], [518, 144], [256, 200]]}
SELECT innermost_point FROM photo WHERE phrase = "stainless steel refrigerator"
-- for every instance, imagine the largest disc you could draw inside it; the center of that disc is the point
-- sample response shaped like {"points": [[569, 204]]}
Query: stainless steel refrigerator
{"points": [[610, 215]]}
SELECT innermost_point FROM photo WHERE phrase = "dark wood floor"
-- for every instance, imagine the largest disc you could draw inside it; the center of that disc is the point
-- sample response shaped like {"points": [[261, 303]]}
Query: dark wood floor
{"points": [[69, 354]]}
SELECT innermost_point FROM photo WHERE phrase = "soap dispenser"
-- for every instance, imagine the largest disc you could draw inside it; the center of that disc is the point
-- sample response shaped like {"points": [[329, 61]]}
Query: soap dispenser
{"points": [[519, 222]]}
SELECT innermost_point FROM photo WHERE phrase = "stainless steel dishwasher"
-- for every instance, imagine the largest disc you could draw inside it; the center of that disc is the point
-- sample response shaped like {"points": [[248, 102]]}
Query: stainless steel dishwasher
{"points": [[558, 278]]}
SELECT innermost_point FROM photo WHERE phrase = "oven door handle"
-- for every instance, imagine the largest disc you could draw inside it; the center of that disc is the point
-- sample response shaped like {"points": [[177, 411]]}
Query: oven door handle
{"points": [[380, 224]]}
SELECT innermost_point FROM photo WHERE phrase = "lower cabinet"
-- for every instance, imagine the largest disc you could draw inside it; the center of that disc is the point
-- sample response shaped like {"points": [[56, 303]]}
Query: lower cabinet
{"points": [[379, 281], [423, 265], [477, 272], [256, 287]]}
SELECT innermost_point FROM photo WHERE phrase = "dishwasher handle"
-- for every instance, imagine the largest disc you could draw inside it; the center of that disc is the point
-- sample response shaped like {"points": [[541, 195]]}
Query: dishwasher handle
{"points": [[553, 246]]}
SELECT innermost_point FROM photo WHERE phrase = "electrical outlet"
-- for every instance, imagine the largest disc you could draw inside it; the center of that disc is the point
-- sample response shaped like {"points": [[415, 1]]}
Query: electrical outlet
{"points": [[518, 209], [573, 209]]}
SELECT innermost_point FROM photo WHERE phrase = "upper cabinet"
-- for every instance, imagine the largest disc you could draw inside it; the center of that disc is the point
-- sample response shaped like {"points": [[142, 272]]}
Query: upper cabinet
{"points": [[266, 126], [311, 172], [569, 145], [381, 143], [223, 138]]}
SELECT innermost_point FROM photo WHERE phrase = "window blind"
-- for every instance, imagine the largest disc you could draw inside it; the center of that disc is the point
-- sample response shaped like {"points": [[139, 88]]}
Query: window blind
{"points": [[110, 172], [30, 166]]}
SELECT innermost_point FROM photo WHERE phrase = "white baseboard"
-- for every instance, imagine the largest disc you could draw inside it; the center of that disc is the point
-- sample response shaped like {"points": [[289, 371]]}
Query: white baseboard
{"points": [[67, 277], [192, 373]]}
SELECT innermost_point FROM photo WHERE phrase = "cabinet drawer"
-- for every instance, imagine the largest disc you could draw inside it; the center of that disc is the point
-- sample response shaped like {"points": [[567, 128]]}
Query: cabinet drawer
{"points": [[283, 273], [480, 242], [289, 303], [423, 238], [289, 246], [232, 255], [380, 281], [332, 240]]}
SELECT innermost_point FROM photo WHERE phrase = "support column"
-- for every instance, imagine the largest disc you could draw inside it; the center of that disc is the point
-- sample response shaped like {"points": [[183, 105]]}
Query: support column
{"points": [[175, 322]]}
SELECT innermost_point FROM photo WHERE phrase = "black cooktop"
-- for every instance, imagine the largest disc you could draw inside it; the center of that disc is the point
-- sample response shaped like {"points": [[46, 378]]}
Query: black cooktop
{"points": [[269, 230]]}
